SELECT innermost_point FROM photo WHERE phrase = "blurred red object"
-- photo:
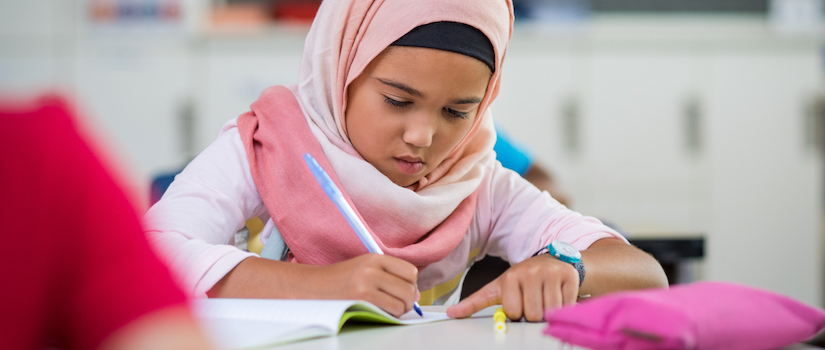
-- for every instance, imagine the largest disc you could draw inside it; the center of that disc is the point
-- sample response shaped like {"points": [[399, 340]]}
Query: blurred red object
{"points": [[102, 11], [239, 15], [170, 10], [296, 10]]}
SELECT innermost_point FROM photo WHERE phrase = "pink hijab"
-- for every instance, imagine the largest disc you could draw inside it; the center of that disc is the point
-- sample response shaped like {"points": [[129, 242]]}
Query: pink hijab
{"points": [[422, 225]]}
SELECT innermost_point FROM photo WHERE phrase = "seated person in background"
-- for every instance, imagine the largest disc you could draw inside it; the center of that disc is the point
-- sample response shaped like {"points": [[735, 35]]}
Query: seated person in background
{"points": [[89, 280], [515, 157]]}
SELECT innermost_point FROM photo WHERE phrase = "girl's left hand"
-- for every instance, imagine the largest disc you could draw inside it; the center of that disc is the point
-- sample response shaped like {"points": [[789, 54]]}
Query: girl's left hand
{"points": [[525, 290]]}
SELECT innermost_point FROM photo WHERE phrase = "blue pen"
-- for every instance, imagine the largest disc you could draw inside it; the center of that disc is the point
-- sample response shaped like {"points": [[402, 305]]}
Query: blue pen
{"points": [[338, 198]]}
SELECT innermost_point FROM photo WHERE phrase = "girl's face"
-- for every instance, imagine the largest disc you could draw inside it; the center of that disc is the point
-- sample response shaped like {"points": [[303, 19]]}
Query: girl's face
{"points": [[411, 106]]}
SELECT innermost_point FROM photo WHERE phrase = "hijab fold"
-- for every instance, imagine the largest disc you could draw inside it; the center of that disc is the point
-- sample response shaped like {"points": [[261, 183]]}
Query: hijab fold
{"points": [[422, 224]]}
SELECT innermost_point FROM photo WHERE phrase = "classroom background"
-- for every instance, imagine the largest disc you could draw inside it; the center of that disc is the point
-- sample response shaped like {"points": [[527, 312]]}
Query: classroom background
{"points": [[670, 119]]}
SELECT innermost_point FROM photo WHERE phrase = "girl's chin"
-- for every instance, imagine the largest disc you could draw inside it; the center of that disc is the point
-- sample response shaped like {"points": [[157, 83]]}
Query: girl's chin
{"points": [[406, 181]]}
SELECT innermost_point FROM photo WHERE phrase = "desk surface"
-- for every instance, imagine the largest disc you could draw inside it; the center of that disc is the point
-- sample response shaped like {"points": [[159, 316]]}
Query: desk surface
{"points": [[472, 333]]}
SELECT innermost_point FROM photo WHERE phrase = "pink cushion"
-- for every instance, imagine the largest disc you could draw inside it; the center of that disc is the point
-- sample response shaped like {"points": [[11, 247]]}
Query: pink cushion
{"points": [[703, 315]]}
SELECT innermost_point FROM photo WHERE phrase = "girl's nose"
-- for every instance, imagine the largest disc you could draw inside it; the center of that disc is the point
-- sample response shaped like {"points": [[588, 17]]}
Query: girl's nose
{"points": [[419, 130]]}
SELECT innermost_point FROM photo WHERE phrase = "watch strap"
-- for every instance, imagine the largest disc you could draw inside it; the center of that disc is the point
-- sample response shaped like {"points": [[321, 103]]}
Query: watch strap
{"points": [[578, 265], [580, 268]]}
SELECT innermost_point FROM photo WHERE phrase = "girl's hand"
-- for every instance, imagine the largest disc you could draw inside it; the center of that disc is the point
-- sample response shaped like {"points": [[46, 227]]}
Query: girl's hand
{"points": [[525, 290], [387, 282]]}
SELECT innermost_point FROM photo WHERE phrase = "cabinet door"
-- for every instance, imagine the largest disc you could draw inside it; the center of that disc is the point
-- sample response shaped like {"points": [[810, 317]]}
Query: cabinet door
{"points": [[135, 88], [35, 46], [535, 85], [767, 183], [235, 72], [637, 166], [611, 125]]}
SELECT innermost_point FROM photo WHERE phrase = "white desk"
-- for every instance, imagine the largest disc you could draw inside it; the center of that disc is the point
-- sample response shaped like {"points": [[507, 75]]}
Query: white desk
{"points": [[472, 333]]}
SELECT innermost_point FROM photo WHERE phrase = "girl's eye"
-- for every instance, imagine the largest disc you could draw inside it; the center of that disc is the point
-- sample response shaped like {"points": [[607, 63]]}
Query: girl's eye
{"points": [[395, 103], [456, 114]]}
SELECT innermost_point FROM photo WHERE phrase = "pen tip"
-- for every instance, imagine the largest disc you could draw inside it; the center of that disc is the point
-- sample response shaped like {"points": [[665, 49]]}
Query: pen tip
{"points": [[417, 309]]}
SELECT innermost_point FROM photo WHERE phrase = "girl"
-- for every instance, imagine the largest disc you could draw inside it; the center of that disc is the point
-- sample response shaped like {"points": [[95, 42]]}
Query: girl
{"points": [[393, 102]]}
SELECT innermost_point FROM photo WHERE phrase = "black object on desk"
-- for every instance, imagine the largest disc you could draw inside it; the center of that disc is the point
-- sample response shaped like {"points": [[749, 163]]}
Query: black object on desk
{"points": [[671, 252], [482, 272]]}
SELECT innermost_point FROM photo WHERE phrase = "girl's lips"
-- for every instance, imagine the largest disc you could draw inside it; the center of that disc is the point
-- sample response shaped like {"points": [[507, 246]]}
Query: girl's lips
{"points": [[409, 168]]}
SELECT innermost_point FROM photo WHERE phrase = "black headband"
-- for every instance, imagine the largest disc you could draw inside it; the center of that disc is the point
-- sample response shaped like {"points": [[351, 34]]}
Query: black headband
{"points": [[454, 37]]}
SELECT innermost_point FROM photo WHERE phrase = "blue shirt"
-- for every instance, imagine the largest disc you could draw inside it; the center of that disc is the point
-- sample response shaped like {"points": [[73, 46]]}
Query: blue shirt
{"points": [[512, 155]]}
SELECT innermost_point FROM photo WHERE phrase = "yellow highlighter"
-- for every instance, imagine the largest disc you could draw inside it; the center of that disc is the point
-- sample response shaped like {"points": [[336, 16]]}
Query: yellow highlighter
{"points": [[500, 319]]}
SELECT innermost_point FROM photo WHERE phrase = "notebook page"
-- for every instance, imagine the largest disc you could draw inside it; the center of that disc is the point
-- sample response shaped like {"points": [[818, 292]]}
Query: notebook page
{"points": [[323, 313], [234, 334], [413, 318], [405, 319]]}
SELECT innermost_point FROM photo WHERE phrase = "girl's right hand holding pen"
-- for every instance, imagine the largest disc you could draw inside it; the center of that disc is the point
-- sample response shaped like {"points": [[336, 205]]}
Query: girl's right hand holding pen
{"points": [[385, 281]]}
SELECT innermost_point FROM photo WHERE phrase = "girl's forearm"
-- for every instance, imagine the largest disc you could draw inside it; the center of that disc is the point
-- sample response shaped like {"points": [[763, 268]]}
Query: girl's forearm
{"points": [[612, 265], [262, 278]]}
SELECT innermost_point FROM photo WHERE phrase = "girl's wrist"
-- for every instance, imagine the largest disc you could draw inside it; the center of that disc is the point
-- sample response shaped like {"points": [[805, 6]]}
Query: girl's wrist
{"points": [[565, 253]]}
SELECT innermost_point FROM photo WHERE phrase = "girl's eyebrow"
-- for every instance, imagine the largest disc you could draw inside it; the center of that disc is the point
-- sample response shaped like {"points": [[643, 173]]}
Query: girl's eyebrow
{"points": [[467, 101], [414, 92], [401, 87]]}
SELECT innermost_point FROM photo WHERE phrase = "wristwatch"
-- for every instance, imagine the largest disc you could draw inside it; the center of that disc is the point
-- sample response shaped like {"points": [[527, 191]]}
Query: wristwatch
{"points": [[567, 253]]}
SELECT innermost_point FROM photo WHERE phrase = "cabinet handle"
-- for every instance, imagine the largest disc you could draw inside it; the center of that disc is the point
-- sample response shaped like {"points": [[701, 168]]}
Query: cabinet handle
{"points": [[815, 123], [187, 129], [571, 120], [692, 114]]}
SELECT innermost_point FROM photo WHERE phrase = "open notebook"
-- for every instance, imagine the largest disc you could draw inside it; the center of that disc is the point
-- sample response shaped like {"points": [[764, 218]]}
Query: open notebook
{"points": [[255, 323]]}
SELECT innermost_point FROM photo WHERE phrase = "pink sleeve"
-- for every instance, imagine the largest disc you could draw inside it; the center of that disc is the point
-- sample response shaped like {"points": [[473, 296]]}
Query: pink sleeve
{"points": [[518, 219]]}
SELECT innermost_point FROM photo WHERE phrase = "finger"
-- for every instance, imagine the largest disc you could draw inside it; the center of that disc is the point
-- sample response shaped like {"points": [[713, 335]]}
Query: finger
{"points": [[400, 289], [533, 299], [570, 292], [401, 268], [389, 303], [553, 296], [488, 295], [372, 282], [511, 299]]}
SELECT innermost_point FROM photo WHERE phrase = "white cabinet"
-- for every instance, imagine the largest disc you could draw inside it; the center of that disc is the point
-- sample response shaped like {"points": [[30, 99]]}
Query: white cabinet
{"points": [[36, 45], [701, 133], [634, 154], [766, 194], [609, 121], [135, 89], [130, 79], [234, 70]]}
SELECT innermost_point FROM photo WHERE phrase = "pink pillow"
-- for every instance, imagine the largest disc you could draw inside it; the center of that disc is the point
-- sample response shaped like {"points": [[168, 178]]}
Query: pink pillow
{"points": [[703, 315]]}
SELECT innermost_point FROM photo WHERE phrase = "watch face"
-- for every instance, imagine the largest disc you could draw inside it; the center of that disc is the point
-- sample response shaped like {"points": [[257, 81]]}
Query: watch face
{"points": [[567, 250]]}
